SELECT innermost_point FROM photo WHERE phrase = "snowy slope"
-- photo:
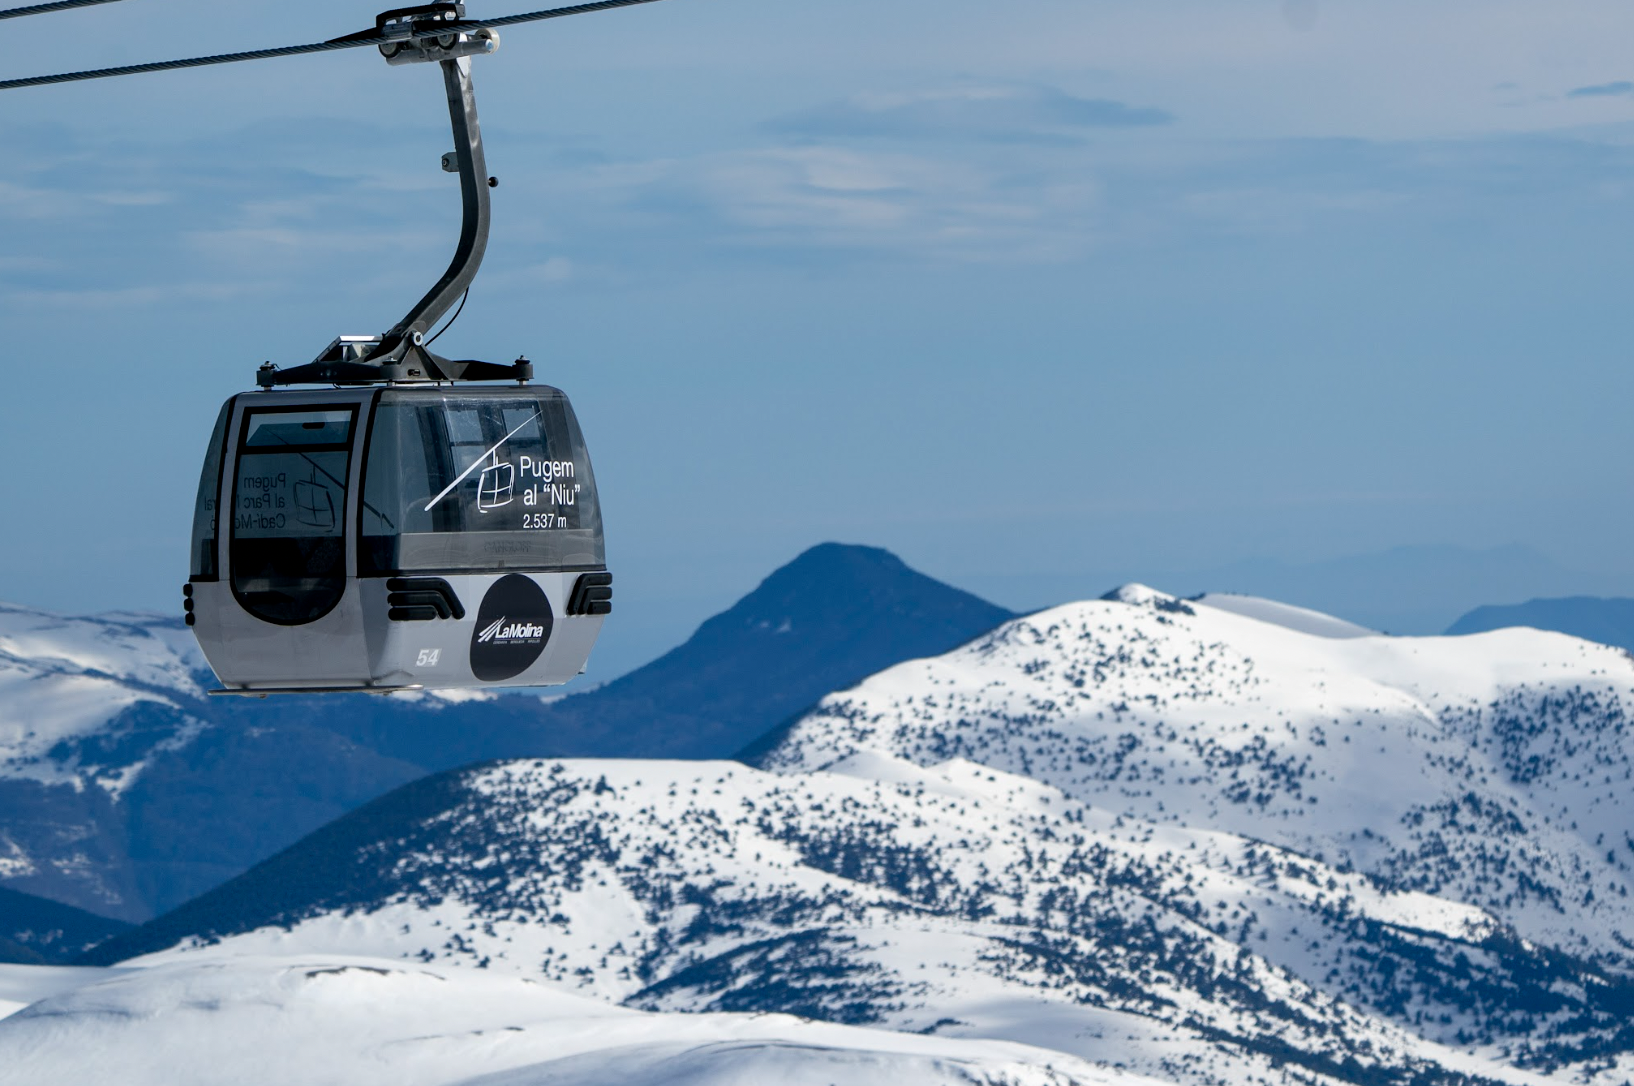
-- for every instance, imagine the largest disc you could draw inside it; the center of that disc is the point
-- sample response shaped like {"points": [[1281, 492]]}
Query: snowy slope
{"points": [[21, 985], [124, 790], [1492, 770], [360, 1021], [64, 680], [1277, 614], [1208, 844], [952, 899], [120, 789]]}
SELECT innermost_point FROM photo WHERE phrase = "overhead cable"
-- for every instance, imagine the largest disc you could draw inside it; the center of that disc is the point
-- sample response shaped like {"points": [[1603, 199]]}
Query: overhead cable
{"points": [[57, 5], [351, 41]]}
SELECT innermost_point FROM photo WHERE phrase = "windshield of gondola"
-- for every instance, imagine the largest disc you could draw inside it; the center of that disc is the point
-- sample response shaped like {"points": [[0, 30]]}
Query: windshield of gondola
{"points": [[463, 481]]}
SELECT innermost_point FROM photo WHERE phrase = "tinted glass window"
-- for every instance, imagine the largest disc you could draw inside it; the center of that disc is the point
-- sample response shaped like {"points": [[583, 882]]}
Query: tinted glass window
{"points": [[478, 480], [203, 558], [288, 547], [288, 429]]}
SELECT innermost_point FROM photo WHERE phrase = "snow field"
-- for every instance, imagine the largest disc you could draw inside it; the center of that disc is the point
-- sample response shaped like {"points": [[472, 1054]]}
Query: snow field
{"points": [[350, 1021], [1217, 843]]}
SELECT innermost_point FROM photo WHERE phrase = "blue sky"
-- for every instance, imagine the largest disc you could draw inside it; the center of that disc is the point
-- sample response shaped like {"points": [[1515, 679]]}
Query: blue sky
{"points": [[1036, 294]]}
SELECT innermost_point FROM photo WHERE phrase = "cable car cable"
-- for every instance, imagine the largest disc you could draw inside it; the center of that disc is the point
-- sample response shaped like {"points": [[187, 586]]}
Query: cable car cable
{"points": [[451, 320], [58, 5], [350, 41], [168, 65], [465, 25]]}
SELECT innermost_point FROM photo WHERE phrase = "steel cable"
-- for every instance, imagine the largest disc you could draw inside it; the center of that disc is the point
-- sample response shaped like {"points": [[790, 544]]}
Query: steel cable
{"points": [[349, 42], [58, 5], [548, 13], [192, 62]]}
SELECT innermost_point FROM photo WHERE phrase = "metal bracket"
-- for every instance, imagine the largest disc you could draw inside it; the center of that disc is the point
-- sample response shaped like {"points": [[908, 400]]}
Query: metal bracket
{"points": [[450, 46], [340, 366]]}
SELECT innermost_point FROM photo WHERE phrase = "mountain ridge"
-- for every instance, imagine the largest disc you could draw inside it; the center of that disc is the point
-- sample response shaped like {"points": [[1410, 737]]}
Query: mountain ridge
{"points": [[125, 790], [1608, 620], [38, 931], [863, 601], [1219, 846]]}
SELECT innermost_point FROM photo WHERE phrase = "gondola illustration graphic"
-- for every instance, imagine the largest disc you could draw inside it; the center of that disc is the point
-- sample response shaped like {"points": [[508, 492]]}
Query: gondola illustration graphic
{"points": [[314, 505], [496, 479], [494, 484]]}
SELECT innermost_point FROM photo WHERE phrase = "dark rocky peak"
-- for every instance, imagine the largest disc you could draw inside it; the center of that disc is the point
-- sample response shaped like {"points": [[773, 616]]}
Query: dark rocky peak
{"points": [[830, 618]]}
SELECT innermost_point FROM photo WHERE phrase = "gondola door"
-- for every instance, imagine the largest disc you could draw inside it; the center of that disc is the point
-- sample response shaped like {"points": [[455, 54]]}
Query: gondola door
{"points": [[289, 489]]}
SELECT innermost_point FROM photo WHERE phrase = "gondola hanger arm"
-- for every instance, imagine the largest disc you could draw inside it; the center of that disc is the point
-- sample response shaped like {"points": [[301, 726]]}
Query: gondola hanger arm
{"points": [[436, 32]]}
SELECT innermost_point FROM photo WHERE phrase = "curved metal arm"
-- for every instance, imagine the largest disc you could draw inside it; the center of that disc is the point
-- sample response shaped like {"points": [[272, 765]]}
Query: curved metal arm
{"points": [[473, 167], [402, 354]]}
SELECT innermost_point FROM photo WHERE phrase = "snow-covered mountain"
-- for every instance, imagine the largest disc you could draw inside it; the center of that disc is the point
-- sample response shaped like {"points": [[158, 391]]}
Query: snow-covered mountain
{"points": [[37, 930], [1209, 841], [124, 787], [86, 704], [125, 790], [833, 616], [1493, 770], [89, 700]]}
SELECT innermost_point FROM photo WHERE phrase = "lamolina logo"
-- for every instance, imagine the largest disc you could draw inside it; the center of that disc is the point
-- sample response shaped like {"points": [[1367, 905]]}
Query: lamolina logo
{"points": [[512, 628], [516, 631]]}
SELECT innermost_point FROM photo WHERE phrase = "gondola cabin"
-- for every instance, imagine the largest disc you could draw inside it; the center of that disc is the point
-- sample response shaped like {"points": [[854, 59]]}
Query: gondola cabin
{"points": [[397, 537]]}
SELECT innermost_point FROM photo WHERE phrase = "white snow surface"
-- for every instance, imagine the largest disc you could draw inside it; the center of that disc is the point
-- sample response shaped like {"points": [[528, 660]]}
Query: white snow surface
{"points": [[21, 985], [1283, 614], [1495, 769], [64, 678], [683, 887], [355, 1021], [1137, 836]]}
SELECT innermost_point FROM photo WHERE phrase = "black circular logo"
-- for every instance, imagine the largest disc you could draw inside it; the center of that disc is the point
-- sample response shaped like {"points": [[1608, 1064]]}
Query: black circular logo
{"points": [[513, 625]]}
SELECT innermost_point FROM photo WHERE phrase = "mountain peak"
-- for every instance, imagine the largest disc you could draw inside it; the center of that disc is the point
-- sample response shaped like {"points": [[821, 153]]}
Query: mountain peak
{"points": [[1138, 595], [831, 617], [834, 556], [847, 583]]}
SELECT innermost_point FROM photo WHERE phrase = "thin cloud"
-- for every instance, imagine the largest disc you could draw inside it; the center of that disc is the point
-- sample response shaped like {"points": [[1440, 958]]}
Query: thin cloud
{"points": [[988, 112], [34, 203], [1619, 89], [846, 199], [133, 297]]}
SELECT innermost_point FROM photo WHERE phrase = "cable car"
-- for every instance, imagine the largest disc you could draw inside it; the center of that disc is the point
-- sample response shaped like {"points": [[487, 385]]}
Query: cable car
{"points": [[407, 525], [404, 525], [397, 537]]}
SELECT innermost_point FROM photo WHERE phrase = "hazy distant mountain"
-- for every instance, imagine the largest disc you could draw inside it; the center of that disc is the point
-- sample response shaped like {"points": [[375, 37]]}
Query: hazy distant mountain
{"points": [[1403, 590], [37, 931], [1213, 841], [1412, 590], [1608, 621], [125, 790]]}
